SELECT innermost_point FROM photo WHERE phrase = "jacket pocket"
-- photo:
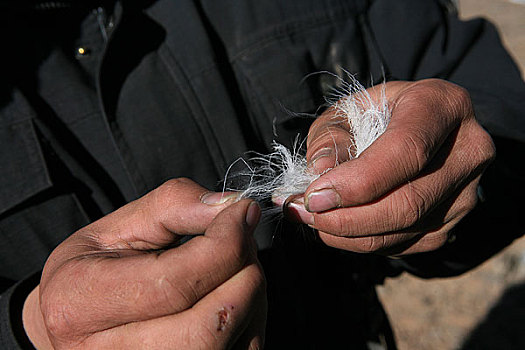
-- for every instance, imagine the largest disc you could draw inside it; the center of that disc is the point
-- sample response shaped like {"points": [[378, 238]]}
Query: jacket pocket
{"points": [[36, 214], [24, 173], [287, 72]]}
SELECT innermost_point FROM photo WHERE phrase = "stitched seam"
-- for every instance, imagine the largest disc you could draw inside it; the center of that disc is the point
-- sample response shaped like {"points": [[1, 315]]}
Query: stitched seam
{"points": [[283, 32], [294, 27]]}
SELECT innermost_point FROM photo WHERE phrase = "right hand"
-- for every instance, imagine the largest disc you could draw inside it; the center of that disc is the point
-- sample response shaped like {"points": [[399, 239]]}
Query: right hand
{"points": [[117, 284]]}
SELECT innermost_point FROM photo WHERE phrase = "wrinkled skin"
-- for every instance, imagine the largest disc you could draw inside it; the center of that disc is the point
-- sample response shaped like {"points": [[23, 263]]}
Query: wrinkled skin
{"points": [[120, 283], [407, 191]]}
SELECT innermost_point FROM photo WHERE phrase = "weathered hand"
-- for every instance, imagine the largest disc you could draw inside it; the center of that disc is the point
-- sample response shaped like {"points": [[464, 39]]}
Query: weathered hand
{"points": [[119, 283], [408, 189]]}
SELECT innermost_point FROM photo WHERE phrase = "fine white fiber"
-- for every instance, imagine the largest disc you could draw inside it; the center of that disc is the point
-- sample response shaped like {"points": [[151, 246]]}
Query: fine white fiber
{"points": [[285, 172], [366, 118], [282, 173]]}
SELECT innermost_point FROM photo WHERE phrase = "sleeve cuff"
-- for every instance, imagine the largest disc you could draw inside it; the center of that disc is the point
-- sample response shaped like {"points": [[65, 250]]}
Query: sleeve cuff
{"points": [[12, 334]]}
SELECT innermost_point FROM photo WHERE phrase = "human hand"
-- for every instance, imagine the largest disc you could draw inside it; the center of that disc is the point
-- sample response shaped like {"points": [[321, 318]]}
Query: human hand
{"points": [[407, 191], [119, 284]]}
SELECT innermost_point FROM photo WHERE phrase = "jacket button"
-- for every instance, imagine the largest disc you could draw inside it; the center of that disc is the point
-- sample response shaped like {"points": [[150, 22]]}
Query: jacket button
{"points": [[82, 51]]}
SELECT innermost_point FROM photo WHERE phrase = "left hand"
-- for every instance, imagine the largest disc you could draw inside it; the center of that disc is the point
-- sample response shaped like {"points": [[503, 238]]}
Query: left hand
{"points": [[407, 191], [123, 282]]}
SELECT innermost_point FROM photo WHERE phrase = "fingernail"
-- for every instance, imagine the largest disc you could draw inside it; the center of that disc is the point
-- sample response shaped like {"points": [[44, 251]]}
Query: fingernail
{"points": [[322, 200], [253, 213], [278, 200], [296, 211], [216, 198], [323, 152]]}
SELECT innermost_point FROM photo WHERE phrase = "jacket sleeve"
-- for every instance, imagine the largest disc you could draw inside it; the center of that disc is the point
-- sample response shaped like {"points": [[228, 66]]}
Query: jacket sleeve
{"points": [[12, 334], [433, 42]]}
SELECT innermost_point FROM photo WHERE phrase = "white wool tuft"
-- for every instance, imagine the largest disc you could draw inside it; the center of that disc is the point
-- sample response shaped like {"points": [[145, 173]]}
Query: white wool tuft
{"points": [[367, 120], [284, 172]]}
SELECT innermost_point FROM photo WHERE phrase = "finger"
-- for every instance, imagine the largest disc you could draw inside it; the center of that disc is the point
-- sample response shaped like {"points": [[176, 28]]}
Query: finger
{"points": [[452, 169], [329, 139], [329, 142], [436, 238], [215, 322], [399, 154], [147, 286], [178, 207], [401, 208], [393, 244], [384, 243], [428, 235], [156, 220]]}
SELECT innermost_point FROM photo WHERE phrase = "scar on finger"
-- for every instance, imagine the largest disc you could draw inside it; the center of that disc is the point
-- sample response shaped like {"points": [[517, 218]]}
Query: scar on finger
{"points": [[222, 319]]}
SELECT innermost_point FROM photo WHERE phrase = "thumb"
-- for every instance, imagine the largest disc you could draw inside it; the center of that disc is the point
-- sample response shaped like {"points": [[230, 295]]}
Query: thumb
{"points": [[161, 217]]}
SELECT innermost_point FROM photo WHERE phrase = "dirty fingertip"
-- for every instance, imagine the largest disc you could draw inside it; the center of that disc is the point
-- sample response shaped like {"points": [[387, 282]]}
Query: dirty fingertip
{"points": [[253, 214], [218, 198], [295, 211]]}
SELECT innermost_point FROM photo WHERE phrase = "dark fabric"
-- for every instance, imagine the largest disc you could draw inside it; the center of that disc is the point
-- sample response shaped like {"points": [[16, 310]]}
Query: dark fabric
{"points": [[11, 303], [168, 89]]}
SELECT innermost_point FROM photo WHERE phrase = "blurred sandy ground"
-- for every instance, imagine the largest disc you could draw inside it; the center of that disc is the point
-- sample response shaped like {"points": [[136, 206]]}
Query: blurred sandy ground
{"points": [[484, 308], [508, 15]]}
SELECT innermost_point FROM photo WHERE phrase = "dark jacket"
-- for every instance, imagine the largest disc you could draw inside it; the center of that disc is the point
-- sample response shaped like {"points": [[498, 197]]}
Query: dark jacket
{"points": [[165, 89]]}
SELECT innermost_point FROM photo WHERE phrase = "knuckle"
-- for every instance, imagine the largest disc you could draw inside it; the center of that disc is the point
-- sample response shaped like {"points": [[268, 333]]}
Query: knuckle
{"points": [[460, 99], [65, 310], [168, 193], [464, 101], [163, 194], [374, 244], [338, 225], [323, 138], [479, 149], [433, 89], [416, 150], [460, 103], [58, 314], [171, 186], [323, 127], [463, 97], [58, 319], [485, 145], [177, 295], [313, 131], [455, 98], [411, 209], [469, 201]]}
